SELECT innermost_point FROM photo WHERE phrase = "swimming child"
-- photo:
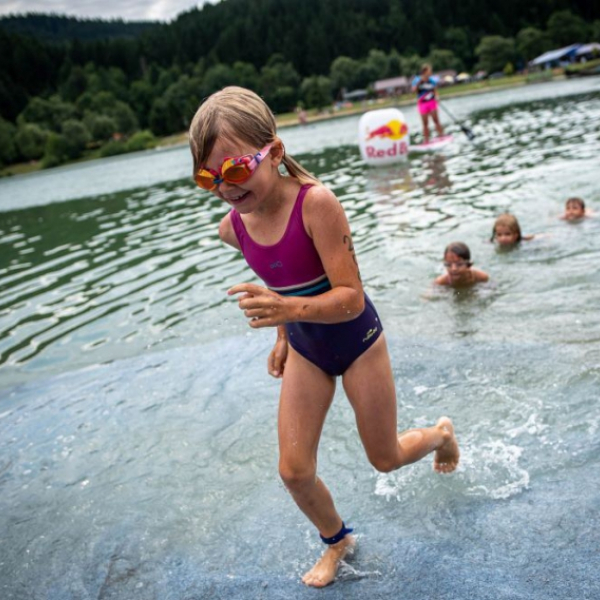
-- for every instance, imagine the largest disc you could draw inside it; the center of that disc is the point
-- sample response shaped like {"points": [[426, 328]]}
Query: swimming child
{"points": [[426, 87], [575, 210], [294, 234], [460, 271], [507, 231]]}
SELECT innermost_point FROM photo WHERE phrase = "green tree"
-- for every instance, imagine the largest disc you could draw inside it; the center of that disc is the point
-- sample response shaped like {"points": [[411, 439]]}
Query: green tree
{"points": [[394, 63], [343, 73], [565, 28], [494, 52], [442, 60], [276, 78], [105, 103], [8, 148], [75, 84], [141, 97], [56, 151], [316, 91], [532, 42], [173, 112], [411, 65], [246, 75], [124, 116], [77, 136], [164, 119], [377, 62], [31, 140], [216, 78], [49, 114], [101, 127], [457, 40], [140, 141]]}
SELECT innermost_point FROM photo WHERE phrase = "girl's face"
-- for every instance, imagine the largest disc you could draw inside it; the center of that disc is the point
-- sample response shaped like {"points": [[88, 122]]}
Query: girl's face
{"points": [[459, 269], [244, 197], [573, 211], [505, 236]]}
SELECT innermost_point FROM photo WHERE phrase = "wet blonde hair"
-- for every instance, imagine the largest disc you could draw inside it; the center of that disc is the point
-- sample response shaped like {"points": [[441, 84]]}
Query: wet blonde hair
{"points": [[510, 221], [240, 114]]}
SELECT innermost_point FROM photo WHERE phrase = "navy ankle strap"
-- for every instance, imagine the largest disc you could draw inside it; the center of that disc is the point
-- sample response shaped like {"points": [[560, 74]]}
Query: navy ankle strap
{"points": [[338, 537]]}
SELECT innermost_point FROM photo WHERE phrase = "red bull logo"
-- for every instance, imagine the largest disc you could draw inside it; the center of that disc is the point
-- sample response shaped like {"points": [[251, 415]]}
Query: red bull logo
{"points": [[384, 137], [393, 130]]}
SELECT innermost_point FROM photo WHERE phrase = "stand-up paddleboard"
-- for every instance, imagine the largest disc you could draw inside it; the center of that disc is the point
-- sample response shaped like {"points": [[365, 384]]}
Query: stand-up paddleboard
{"points": [[432, 145]]}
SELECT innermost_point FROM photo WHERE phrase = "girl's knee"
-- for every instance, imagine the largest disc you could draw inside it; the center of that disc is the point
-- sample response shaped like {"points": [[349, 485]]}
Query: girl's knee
{"points": [[384, 464], [296, 476]]}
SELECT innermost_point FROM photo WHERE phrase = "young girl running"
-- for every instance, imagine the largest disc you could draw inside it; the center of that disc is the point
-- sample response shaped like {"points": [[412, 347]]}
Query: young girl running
{"points": [[294, 234]]}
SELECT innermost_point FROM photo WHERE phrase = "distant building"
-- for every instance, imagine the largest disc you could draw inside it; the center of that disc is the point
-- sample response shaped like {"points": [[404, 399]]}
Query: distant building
{"points": [[554, 58], [588, 52], [391, 87]]}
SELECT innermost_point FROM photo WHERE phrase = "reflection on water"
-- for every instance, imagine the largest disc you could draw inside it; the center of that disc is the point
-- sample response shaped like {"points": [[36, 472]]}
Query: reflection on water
{"points": [[137, 422]]}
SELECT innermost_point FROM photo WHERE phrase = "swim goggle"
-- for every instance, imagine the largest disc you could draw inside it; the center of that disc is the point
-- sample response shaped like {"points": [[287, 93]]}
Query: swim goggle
{"points": [[234, 170]]}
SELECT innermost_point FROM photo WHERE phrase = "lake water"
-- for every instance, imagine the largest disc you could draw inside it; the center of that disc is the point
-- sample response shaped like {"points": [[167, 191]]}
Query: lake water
{"points": [[138, 451]]}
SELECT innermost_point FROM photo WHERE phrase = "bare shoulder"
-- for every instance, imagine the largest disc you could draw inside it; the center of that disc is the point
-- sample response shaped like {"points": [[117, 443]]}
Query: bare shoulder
{"points": [[319, 197], [480, 276], [227, 233], [442, 280], [322, 208]]}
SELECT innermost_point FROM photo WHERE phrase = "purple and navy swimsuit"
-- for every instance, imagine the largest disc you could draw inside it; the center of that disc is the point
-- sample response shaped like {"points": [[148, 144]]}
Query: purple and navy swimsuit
{"points": [[292, 267]]}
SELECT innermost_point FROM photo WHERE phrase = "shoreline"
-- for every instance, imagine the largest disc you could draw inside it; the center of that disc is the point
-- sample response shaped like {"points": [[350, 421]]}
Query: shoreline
{"points": [[291, 119]]}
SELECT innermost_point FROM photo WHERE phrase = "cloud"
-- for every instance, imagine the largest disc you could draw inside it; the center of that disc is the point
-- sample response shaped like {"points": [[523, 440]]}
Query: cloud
{"points": [[128, 10]]}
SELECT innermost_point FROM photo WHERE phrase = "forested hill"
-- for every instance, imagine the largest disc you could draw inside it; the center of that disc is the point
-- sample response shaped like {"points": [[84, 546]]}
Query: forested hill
{"points": [[58, 28], [59, 98]]}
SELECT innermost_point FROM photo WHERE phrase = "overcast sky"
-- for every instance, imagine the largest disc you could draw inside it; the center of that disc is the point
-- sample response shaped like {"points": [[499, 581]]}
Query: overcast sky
{"points": [[128, 10]]}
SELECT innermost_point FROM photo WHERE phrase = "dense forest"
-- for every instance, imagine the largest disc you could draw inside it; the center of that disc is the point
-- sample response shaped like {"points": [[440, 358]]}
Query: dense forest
{"points": [[59, 28], [68, 85]]}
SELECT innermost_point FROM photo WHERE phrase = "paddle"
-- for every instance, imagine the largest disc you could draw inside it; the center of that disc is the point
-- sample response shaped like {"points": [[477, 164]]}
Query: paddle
{"points": [[468, 132]]}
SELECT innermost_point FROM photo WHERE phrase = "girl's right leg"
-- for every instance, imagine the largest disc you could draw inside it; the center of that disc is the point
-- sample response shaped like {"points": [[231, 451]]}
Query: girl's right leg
{"points": [[425, 121], [370, 387], [306, 395]]}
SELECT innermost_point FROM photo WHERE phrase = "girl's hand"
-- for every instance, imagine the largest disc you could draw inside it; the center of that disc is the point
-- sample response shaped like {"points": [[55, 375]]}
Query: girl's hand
{"points": [[277, 357], [263, 307]]}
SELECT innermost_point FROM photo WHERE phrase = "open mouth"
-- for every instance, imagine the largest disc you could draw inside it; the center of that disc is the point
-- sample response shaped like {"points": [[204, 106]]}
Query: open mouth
{"points": [[239, 199]]}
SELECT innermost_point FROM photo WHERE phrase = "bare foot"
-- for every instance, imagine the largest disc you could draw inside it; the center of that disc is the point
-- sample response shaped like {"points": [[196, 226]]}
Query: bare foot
{"points": [[324, 571], [447, 455]]}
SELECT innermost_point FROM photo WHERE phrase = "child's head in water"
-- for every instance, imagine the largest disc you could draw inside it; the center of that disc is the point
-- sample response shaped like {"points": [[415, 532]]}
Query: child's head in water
{"points": [[574, 209], [506, 231], [235, 123], [459, 268]]}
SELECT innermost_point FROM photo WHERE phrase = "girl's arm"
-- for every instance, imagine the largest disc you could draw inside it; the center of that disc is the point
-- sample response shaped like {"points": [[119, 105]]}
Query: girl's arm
{"points": [[442, 280], [227, 234], [278, 355], [326, 223]]}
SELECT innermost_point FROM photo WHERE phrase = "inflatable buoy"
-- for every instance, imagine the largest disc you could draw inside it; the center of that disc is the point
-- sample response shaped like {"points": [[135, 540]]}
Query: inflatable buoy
{"points": [[383, 137]]}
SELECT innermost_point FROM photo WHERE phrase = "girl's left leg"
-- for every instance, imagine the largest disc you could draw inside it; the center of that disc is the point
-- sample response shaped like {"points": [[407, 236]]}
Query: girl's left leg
{"points": [[369, 385], [306, 395], [436, 121]]}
